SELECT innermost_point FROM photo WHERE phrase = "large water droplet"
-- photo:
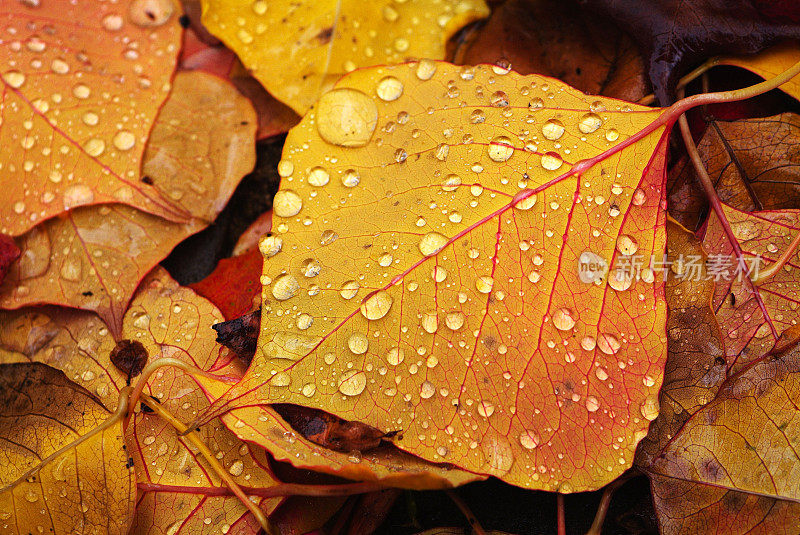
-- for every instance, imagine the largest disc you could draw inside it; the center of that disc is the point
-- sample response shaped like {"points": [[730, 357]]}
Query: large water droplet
{"points": [[286, 203], [349, 289], [285, 287], [389, 88], [430, 321], [124, 140], [551, 161], [14, 78], [608, 343], [353, 383], [426, 69], [484, 284], [431, 243], [236, 468], [627, 245], [395, 356], [318, 176], [350, 178], [589, 123], [358, 343], [500, 149], [529, 439], [650, 407], [270, 246], [563, 319], [427, 390], [346, 117], [553, 129], [376, 305], [454, 320]]}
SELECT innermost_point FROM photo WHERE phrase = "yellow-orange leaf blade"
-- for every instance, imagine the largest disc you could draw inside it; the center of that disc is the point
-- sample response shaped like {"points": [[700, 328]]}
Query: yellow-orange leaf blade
{"points": [[89, 488], [297, 50], [81, 86], [433, 233]]}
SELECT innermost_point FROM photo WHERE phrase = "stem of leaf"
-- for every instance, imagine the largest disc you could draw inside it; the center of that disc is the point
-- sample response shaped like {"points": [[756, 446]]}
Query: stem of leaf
{"points": [[477, 529], [561, 517], [716, 204], [122, 409], [685, 80], [605, 502], [213, 462], [276, 491]]}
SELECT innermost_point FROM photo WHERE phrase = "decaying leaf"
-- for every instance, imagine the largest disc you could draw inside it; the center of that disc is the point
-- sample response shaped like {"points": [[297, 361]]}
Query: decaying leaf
{"points": [[130, 357], [752, 315], [329, 431], [676, 35], [82, 84], [733, 464], [556, 38], [91, 258], [234, 286], [297, 50], [240, 335], [88, 488], [202, 145], [438, 268], [770, 63]]}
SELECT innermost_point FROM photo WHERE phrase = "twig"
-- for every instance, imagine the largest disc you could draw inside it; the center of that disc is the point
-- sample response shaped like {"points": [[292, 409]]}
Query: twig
{"points": [[477, 529], [560, 515]]}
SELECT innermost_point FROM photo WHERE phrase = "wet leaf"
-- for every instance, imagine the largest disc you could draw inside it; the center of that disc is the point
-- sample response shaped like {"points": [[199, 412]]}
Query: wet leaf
{"points": [[91, 258], [235, 285], [556, 38], [202, 145], [424, 274], [770, 63], [733, 464], [676, 35], [752, 315], [130, 357], [88, 488], [240, 335], [297, 50], [251, 237], [82, 86], [9, 252]]}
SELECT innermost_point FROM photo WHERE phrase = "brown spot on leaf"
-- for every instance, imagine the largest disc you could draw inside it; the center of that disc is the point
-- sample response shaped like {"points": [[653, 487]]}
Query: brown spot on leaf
{"points": [[130, 357]]}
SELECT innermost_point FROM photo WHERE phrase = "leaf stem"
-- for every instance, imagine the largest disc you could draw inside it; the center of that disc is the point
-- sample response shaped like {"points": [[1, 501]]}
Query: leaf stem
{"points": [[477, 529], [685, 80], [561, 515], [276, 491], [213, 462], [122, 408], [605, 502], [787, 255]]}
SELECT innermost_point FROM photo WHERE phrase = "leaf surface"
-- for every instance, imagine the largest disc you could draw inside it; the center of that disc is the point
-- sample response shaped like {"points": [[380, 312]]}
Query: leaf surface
{"points": [[297, 50], [770, 63], [81, 87], [420, 286], [86, 488], [235, 285]]}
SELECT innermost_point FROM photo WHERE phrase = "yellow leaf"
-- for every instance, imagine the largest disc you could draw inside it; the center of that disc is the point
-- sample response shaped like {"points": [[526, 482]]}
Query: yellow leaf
{"points": [[297, 50], [82, 84], [447, 279], [770, 63], [88, 488]]}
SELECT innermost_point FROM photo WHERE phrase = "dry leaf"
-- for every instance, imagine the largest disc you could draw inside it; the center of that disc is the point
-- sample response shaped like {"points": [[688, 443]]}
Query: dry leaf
{"points": [[424, 274], [82, 84], [297, 50], [88, 488]]}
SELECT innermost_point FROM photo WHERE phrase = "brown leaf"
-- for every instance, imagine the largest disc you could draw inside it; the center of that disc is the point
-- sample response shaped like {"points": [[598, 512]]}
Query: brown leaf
{"points": [[330, 431], [556, 38], [87, 488], [130, 357], [240, 335]]}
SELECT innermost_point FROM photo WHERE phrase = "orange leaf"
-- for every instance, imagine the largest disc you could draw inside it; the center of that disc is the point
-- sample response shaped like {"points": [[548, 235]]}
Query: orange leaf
{"points": [[82, 84], [86, 488], [234, 286], [752, 316], [297, 50], [424, 275]]}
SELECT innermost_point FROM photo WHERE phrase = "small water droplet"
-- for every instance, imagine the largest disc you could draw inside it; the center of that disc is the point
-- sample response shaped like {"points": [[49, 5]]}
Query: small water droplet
{"points": [[431, 243], [14, 79], [124, 140], [485, 408], [627, 245], [236, 468], [430, 321], [477, 116], [389, 88], [349, 289], [427, 390], [499, 99], [426, 69], [285, 287], [350, 178], [551, 161], [270, 246]]}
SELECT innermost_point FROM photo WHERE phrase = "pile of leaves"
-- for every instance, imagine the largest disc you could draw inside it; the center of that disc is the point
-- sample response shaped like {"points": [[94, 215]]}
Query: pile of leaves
{"points": [[273, 266]]}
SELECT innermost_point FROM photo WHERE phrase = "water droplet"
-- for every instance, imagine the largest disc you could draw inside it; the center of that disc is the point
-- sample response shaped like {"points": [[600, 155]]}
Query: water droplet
{"points": [[349, 289], [529, 439], [286, 203], [77, 195], [14, 78], [524, 200], [270, 246], [328, 237], [350, 178], [427, 390], [431, 243], [150, 13], [439, 274], [612, 134], [499, 99], [454, 320], [385, 260], [639, 197], [563, 320], [553, 129], [484, 284], [353, 382], [389, 88], [59, 66], [395, 356], [430, 321], [551, 161], [285, 287], [31, 495], [627, 245], [376, 305], [358, 343], [650, 408], [589, 123], [500, 149], [648, 381], [588, 343], [620, 279], [304, 321], [477, 117], [451, 183], [536, 104], [124, 140], [95, 147], [259, 7], [426, 69], [485, 408], [310, 268], [281, 379], [309, 389], [346, 117], [601, 373], [112, 22], [608, 343], [592, 404], [236, 468], [318, 176]]}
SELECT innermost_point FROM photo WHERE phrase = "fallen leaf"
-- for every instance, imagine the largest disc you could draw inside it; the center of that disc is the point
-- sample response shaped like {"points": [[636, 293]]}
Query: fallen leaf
{"points": [[82, 84], [733, 464], [297, 50], [9, 252], [274, 117], [234, 286], [240, 335], [425, 275], [87, 488], [196, 55], [330, 431], [770, 63], [750, 315], [556, 38], [250, 238], [202, 145], [676, 35], [130, 357], [91, 258]]}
